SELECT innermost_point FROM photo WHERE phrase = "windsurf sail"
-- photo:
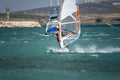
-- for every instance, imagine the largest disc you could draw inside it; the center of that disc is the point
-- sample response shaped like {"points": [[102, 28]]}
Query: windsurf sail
{"points": [[51, 26], [69, 23]]}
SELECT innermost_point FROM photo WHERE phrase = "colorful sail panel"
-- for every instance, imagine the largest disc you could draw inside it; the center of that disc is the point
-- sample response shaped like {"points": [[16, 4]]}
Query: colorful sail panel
{"points": [[69, 23], [51, 26]]}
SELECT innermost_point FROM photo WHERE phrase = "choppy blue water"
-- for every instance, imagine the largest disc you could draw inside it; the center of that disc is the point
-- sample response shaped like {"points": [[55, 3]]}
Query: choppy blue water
{"points": [[28, 54]]}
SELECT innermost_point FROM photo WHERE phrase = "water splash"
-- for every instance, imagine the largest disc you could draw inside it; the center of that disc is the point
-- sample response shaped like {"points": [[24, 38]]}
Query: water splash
{"points": [[89, 49], [56, 50], [95, 49], [37, 33]]}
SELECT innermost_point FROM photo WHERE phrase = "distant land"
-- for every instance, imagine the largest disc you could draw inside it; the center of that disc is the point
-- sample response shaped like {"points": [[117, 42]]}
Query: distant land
{"points": [[109, 6], [97, 12]]}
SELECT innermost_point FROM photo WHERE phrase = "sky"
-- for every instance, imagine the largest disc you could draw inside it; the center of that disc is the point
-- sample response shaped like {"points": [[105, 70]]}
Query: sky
{"points": [[16, 5]]}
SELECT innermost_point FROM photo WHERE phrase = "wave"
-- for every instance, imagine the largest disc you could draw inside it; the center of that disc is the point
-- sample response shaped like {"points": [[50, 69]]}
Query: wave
{"points": [[95, 49], [25, 42], [14, 33], [103, 34], [2, 42], [96, 35], [90, 49], [52, 49], [94, 55], [117, 38], [86, 39]]}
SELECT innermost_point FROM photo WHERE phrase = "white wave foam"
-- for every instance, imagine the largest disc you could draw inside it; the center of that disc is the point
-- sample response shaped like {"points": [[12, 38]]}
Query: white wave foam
{"points": [[43, 35], [87, 39], [89, 49], [13, 38], [95, 55], [84, 35], [116, 38], [83, 70], [100, 34], [94, 49], [40, 34], [26, 42], [14, 33], [2, 41], [103, 34], [52, 49]]}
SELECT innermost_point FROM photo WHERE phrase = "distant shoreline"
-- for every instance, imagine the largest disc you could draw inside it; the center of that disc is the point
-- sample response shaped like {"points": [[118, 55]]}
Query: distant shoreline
{"points": [[18, 21], [101, 12], [14, 24]]}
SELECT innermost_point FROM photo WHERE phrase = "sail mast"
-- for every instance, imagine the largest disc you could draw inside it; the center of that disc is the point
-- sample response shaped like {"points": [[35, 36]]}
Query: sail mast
{"points": [[51, 3], [58, 3]]}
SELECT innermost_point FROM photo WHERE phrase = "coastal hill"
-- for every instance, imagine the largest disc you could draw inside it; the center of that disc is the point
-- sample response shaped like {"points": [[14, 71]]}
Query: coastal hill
{"points": [[108, 11], [109, 6]]}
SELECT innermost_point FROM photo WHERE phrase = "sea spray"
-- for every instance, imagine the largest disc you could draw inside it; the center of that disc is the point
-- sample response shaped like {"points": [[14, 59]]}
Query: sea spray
{"points": [[80, 49], [95, 49]]}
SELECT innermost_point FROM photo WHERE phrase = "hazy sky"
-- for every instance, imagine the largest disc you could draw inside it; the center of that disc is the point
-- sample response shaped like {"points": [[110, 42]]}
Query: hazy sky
{"points": [[17, 5]]}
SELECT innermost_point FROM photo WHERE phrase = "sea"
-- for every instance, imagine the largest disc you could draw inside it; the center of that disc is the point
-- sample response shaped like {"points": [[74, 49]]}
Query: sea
{"points": [[29, 54]]}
